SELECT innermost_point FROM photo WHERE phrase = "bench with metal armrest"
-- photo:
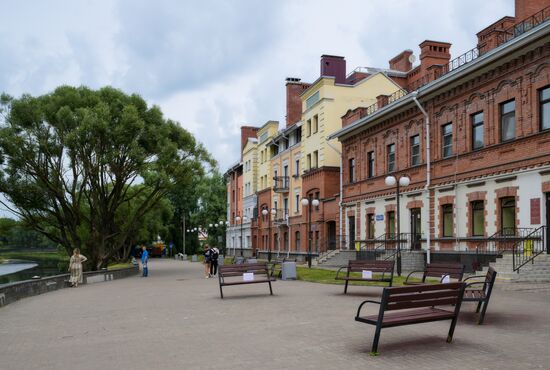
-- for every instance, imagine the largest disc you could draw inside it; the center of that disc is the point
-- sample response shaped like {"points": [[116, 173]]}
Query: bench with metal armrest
{"points": [[368, 269], [438, 270], [480, 291], [246, 273]]}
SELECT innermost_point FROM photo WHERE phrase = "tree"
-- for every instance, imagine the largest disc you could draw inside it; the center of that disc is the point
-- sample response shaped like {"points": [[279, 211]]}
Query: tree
{"points": [[69, 159]]}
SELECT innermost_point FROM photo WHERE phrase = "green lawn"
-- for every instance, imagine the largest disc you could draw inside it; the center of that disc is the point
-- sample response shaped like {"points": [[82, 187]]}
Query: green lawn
{"points": [[115, 266], [317, 275], [30, 256]]}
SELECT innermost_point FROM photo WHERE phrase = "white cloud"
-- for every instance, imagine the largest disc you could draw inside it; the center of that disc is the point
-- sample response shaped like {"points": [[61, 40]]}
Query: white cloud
{"points": [[214, 66]]}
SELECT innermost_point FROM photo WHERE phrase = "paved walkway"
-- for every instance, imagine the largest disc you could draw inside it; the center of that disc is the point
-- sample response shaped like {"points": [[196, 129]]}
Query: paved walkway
{"points": [[175, 320]]}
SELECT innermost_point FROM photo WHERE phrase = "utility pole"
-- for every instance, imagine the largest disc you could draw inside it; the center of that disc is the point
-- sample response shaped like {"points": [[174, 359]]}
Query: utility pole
{"points": [[183, 233]]}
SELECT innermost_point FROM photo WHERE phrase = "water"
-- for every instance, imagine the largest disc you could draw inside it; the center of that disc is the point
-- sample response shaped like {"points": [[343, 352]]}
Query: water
{"points": [[25, 270]]}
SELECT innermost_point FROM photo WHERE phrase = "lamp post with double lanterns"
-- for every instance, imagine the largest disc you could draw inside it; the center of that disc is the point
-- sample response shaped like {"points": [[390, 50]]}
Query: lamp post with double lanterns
{"points": [[402, 181], [270, 215], [305, 203]]}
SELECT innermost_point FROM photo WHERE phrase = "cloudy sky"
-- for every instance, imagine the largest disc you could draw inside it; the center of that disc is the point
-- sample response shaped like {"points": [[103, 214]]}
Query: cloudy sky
{"points": [[216, 65]]}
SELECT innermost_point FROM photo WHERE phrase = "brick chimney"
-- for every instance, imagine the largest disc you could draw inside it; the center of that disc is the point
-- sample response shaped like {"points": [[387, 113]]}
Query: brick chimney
{"points": [[434, 55], [401, 61], [246, 132], [487, 38], [335, 66], [526, 8], [294, 89]]}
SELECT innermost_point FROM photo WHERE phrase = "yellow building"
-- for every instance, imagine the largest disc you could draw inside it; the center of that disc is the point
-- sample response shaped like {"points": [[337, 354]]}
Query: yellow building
{"points": [[265, 151], [250, 176], [327, 100]]}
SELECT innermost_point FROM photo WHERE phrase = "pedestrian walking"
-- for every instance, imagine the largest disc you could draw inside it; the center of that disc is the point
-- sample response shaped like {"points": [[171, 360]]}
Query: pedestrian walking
{"points": [[207, 260], [75, 267], [214, 254], [144, 260]]}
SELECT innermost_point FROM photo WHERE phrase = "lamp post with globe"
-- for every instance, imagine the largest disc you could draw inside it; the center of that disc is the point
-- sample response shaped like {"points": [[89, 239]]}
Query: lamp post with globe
{"points": [[305, 203], [270, 215], [402, 181]]}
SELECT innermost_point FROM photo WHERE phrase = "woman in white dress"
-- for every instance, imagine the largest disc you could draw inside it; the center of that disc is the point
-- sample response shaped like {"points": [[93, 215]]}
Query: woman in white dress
{"points": [[75, 267]]}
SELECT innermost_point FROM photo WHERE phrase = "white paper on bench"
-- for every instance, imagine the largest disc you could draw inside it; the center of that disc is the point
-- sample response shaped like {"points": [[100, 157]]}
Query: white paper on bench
{"points": [[248, 276], [367, 274], [445, 279]]}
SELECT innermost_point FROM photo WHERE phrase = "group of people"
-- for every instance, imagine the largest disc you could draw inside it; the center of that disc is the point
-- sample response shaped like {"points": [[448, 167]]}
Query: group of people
{"points": [[210, 261]]}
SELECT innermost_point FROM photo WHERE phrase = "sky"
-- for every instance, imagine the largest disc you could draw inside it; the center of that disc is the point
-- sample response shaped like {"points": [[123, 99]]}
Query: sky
{"points": [[214, 66]]}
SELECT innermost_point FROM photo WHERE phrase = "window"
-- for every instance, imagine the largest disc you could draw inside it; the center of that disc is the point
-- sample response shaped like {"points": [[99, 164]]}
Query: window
{"points": [[477, 131], [308, 127], [508, 215], [447, 212], [312, 99], [297, 240], [315, 123], [447, 134], [478, 218], [391, 157], [352, 170], [309, 161], [370, 164], [297, 203], [299, 135], [544, 98], [508, 120], [315, 159], [297, 173], [415, 150], [370, 226], [390, 224]]}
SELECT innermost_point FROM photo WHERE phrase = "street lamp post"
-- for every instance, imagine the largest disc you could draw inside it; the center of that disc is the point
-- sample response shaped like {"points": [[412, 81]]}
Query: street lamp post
{"points": [[403, 181], [265, 212], [305, 203], [243, 219]]}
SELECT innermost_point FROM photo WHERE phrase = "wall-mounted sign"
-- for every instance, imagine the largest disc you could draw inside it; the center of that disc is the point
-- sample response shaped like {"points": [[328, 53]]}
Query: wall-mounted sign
{"points": [[379, 217]]}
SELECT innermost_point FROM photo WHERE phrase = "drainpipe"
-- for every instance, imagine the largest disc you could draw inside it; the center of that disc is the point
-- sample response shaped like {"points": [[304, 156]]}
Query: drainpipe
{"points": [[428, 172], [341, 193]]}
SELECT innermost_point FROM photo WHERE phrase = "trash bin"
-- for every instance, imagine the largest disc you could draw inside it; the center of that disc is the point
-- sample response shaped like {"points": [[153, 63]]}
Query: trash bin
{"points": [[288, 271], [221, 260], [239, 260], [252, 260], [194, 258]]}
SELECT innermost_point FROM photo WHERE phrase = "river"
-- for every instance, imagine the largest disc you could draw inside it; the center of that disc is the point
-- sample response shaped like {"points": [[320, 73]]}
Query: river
{"points": [[18, 270]]}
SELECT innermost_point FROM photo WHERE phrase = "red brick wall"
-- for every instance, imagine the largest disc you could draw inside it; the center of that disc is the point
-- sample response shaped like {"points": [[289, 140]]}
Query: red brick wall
{"points": [[246, 132], [526, 8], [293, 101]]}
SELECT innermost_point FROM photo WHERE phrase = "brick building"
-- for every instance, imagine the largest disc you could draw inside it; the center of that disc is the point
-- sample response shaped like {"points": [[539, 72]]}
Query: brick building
{"points": [[478, 163]]}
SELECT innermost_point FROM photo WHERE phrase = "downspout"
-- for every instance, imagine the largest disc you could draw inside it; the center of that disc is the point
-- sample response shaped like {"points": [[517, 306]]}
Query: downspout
{"points": [[428, 173], [341, 193]]}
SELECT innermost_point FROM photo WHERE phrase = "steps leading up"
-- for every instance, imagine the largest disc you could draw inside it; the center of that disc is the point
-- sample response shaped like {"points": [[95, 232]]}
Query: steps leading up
{"points": [[536, 272]]}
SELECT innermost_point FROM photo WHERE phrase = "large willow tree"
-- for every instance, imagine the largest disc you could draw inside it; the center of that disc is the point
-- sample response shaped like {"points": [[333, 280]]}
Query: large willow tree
{"points": [[69, 161]]}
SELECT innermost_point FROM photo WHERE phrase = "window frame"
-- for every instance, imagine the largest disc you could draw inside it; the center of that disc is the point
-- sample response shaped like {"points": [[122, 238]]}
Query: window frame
{"points": [[447, 209], [390, 158], [371, 169], [443, 137], [474, 210], [475, 125], [351, 169], [412, 147], [505, 115], [542, 103]]}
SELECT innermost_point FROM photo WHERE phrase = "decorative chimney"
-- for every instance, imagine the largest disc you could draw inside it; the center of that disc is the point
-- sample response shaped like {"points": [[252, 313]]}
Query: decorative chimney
{"points": [[434, 56], [246, 132], [401, 61], [294, 89], [335, 66]]}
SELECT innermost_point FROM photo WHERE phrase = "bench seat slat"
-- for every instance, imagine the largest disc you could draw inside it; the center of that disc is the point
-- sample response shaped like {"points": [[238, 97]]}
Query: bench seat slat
{"points": [[351, 278], [422, 296], [247, 282], [408, 317], [422, 303], [474, 294]]}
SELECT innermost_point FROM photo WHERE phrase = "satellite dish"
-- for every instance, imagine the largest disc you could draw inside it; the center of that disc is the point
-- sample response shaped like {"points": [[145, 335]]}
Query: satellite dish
{"points": [[412, 58]]}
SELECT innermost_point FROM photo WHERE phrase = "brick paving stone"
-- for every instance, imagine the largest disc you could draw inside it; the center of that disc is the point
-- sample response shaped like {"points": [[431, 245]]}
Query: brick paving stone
{"points": [[174, 319]]}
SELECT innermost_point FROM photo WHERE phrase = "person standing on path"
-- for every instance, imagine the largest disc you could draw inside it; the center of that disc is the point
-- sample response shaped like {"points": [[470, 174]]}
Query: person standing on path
{"points": [[144, 260], [214, 254], [75, 267], [207, 260]]}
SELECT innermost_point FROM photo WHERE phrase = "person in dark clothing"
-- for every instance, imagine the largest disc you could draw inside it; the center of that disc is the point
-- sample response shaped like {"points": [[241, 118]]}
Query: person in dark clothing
{"points": [[214, 254], [207, 260]]}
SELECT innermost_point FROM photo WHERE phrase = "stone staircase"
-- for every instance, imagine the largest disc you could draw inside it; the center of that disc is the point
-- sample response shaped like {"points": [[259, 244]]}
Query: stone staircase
{"points": [[336, 258], [537, 272]]}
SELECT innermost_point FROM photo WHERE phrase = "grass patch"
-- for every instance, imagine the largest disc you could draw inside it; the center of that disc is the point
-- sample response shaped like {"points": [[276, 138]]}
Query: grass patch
{"points": [[35, 256], [115, 266], [317, 275]]}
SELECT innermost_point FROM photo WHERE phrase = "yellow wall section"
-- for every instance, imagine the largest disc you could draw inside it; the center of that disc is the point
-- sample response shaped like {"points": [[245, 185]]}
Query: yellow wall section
{"points": [[250, 176], [266, 132], [334, 102]]}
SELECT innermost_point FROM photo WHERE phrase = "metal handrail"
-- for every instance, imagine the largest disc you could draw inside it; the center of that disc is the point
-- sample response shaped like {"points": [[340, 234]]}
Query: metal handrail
{"points": [[529, 247]]}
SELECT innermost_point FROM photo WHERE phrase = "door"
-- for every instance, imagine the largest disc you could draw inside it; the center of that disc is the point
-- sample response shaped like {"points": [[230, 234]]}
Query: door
{"points": [[351, 228], [331, 231], [416, 230]]}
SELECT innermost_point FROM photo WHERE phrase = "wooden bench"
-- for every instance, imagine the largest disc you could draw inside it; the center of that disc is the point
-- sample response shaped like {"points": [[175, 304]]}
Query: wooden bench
{"points": [[482, 291], [260, 271], [414, 305], [440, 271], [383, 267]]}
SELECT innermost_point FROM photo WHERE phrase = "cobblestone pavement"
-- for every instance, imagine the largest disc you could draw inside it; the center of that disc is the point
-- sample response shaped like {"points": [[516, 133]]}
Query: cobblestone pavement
{"points": [[174, 319]]}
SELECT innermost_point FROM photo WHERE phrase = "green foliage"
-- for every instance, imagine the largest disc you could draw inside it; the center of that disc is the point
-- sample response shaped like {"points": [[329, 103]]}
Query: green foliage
{"points": [[15, 235], [70, 162], [323, 276]]}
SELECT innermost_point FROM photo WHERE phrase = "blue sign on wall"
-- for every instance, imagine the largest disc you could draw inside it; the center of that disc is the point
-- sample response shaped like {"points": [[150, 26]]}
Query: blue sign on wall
{"points": [[379, 217]]}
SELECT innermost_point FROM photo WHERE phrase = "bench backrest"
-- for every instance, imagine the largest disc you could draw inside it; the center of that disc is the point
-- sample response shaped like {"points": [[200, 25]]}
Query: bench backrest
{"points": [[454, 270], [374, 266], [398, 298], [489, 281], [238, 270]]}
